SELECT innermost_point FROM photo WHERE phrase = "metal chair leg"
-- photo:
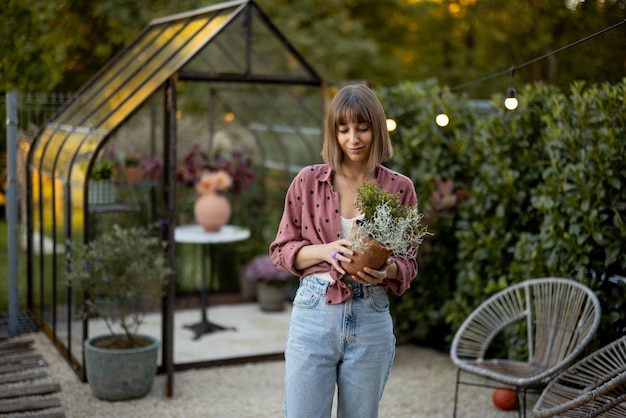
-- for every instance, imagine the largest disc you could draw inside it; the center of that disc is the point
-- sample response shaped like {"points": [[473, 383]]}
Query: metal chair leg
{"points": [[521, 401], [456, 391]]}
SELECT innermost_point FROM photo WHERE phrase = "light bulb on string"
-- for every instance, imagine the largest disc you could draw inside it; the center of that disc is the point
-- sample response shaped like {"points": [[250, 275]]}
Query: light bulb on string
{"points": [[391, 125], [510, 102], [442, 119]]}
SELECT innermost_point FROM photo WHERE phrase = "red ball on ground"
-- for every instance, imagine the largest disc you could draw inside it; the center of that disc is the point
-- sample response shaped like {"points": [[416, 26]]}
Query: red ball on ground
{"points": [[505, 399]]}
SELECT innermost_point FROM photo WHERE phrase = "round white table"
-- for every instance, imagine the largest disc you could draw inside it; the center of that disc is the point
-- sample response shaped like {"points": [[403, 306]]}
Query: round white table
{"points": [[195, 234]]}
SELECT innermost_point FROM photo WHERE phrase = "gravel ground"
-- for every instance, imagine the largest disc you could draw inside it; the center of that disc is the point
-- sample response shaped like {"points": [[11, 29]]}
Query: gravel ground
{"points": [[421, 384]]}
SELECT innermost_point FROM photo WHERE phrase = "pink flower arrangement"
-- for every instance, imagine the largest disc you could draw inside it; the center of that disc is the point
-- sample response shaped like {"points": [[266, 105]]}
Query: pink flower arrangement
{"points": [[238, 164], [211, 182]]}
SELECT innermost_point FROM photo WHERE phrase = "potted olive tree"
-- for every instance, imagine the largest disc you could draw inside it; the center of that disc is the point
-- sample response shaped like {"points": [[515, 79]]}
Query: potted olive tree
{"points": [[388, 228], [121, 275]]}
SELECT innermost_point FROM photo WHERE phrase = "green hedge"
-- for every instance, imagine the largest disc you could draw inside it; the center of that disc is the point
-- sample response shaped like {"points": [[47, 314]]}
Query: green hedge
{"points": [[547, 187]]}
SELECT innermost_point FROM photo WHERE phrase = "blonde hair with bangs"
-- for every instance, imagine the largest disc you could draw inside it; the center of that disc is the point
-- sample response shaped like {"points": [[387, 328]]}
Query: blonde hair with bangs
{"points": [[356, 103]]}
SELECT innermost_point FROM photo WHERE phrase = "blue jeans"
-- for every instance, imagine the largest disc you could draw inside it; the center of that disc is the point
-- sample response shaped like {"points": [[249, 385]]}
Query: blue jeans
{"points": [[350, 345]]}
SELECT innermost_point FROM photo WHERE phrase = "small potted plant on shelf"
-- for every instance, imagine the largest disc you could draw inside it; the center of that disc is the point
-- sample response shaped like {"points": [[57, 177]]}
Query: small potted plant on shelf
{"points": [[121, 275], [133, 169], [271, 282], [388, 228], [101, 185]]}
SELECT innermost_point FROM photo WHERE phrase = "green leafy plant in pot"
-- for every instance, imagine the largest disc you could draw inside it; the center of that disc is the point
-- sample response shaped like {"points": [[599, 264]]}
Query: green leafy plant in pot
{"points": [[388, 228], [122, 275], [103, 169]]}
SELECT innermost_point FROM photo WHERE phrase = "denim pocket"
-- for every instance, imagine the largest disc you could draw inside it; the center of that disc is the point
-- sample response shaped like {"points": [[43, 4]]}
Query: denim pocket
{"points": [[379, 300], [306, 298]]}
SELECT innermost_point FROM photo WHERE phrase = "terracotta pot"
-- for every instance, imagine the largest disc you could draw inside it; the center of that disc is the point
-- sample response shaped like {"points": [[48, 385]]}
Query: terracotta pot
{"points": [[373, 257], [212, 211], [133, 174]]}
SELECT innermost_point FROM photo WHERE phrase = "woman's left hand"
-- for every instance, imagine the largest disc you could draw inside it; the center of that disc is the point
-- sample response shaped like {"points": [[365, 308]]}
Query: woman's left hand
{"points": [[370, 276]]}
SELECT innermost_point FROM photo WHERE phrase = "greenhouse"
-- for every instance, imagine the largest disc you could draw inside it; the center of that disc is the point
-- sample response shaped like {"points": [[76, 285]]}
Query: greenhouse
{"points": [[216, 82]]}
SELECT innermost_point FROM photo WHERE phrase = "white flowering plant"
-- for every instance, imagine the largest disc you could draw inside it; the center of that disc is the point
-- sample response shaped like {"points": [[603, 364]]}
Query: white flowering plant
{"points": [[386, 220]]}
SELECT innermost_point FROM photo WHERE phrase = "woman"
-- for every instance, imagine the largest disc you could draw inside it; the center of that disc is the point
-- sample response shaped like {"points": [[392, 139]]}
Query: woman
{"points": [[341, 332]]}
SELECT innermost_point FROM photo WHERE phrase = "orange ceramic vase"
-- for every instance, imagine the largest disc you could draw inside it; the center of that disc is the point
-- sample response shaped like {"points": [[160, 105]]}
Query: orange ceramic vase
{"points": [[212, 211], [373, 257]]}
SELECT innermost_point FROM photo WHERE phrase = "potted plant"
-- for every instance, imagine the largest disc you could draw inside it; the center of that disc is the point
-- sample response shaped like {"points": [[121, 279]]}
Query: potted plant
{"points": [[271, 282], [388, 228], [133, 170], [197, 163], [122, 276], [101, 185]]}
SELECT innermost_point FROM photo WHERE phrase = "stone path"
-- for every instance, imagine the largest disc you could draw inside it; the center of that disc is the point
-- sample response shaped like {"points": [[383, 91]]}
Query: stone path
{"points": [[25, 387]]}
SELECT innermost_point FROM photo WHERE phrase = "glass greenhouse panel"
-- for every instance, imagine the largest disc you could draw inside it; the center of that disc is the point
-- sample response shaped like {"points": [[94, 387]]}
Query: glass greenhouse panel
{"points": [[80, 163], [280, 124], [270, 56], [39, 147], [138, 134], [154, 73], [255, 51], [95, 93], [145, 65]]}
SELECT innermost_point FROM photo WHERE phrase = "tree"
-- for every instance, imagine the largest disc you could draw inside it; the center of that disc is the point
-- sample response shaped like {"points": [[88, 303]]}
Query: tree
{"points": [[60, 44]]}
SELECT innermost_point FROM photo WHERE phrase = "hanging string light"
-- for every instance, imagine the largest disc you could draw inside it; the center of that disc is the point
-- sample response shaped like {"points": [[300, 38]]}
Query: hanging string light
{"points": [[442, 118], [511, 101], [391, 124]]}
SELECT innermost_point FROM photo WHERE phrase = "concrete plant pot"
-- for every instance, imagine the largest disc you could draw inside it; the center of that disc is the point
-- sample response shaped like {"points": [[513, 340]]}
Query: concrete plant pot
{"points": [[120, 374]]}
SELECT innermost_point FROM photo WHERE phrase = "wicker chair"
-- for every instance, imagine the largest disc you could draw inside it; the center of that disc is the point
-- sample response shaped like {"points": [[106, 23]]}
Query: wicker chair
{"points": [[555, 318], [593, 387]]}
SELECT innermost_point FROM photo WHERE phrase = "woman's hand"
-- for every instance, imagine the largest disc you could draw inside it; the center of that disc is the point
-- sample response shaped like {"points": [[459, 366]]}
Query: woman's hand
{"points": [[370, 276], [335, 253], [339, 252]]}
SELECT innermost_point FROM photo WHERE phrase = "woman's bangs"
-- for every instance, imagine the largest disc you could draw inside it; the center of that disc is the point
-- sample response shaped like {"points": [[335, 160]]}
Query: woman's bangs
{"points": [[353, 112]]}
